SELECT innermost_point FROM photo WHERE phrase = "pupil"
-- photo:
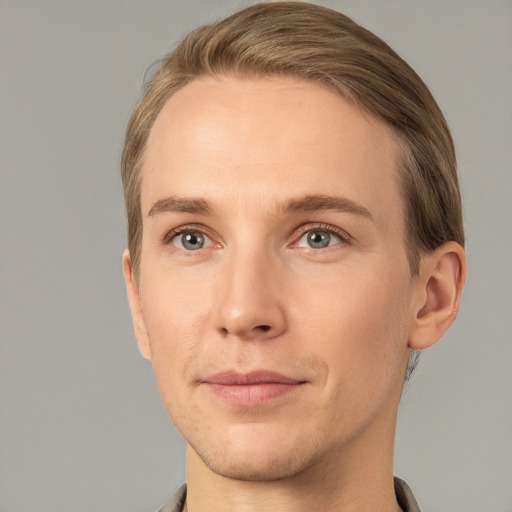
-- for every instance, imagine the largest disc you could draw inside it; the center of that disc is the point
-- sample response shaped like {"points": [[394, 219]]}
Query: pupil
{"points": [[318, 239], [193, 241]]}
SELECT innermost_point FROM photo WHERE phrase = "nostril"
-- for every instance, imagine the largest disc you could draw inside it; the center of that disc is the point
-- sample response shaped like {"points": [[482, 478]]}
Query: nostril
{"points": [[257, 330]]}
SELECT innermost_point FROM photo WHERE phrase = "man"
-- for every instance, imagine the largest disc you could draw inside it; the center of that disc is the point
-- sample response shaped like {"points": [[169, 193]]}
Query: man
{"points": [[294, 236]]}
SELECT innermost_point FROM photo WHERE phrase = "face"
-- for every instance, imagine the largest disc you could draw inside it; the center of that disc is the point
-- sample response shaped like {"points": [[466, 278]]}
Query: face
{"points": [[275, 294]]}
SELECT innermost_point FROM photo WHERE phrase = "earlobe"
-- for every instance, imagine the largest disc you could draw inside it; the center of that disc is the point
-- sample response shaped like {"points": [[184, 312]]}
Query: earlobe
{"points": [[439, 291], [132, 290]]}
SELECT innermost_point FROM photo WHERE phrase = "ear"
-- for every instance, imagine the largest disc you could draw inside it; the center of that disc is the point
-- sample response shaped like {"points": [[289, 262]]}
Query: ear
{"points": [[132, 290], [439, 291]]}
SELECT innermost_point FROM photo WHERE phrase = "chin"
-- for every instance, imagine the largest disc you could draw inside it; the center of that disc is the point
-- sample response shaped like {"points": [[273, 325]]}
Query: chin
{"points": [[267, 456], [251, 468]]}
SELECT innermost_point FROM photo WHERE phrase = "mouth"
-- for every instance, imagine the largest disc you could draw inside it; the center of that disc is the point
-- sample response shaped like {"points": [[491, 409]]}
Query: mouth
{"points": [[251, 389]]}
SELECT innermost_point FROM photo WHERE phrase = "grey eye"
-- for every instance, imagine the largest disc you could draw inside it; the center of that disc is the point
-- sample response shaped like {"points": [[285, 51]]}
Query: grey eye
{"points": [[191, 241], [318, 239]]}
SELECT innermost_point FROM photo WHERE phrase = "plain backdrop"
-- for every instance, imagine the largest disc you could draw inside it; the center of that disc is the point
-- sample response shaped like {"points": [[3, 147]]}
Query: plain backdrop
{"points": [[81, 423]]}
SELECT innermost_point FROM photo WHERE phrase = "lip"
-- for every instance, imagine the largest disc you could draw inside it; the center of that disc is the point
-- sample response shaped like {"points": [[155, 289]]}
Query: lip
{"points": [[251, 389]]}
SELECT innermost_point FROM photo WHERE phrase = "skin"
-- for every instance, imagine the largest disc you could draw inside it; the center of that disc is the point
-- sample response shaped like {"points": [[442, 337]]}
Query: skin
{"points": [[340, 319]]}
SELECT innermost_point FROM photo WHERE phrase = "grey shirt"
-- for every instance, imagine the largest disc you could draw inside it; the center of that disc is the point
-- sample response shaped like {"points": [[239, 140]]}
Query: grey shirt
{"points": [[403, 493]]}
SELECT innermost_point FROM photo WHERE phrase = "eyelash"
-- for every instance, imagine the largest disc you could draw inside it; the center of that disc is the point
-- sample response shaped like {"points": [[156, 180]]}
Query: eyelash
{"points": [[341, 234], [171, 235], [332, 230]]}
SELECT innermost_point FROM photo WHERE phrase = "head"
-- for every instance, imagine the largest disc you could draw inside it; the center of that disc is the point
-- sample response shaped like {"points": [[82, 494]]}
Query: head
{"points": [[348, 95], [316, 44]]}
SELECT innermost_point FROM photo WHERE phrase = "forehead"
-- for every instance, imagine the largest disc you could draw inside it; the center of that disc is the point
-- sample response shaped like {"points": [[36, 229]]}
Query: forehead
{"points": [[222, 138]]}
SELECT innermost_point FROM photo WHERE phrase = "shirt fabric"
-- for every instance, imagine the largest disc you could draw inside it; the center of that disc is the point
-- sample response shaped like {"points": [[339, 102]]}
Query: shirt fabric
{"points": [[403, 493]]}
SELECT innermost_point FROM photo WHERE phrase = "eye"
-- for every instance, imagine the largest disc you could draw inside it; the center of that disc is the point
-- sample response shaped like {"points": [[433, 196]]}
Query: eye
{"points": [[191, 240], [318, 239]]}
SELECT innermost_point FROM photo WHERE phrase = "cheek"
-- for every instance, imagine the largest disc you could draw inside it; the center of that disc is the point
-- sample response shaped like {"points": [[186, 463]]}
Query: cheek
{"points": [[361, 327], [176, 317]]}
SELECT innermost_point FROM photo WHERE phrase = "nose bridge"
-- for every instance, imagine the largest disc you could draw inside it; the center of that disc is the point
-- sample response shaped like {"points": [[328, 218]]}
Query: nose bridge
{"points": [[249, 305]]}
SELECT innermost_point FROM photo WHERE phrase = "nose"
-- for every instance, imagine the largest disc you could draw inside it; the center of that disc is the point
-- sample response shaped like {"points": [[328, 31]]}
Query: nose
{"points": [[250, 305]]}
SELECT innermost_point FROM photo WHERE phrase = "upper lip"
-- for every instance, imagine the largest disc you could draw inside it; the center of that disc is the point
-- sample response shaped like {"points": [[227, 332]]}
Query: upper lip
{"points": [[234, 378]]}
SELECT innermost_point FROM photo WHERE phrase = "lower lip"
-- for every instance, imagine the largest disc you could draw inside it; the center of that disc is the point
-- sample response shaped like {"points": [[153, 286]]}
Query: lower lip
{"points": [[253, 394]]}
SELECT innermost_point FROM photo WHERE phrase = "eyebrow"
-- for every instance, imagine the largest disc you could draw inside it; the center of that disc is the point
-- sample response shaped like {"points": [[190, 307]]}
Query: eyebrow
{"points": [[304, 204], [175, 204], [314, 203]]}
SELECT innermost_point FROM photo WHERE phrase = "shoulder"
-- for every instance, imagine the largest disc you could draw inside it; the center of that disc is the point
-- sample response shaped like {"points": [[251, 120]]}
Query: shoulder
{"points": [[405, 497], [175, 504]]}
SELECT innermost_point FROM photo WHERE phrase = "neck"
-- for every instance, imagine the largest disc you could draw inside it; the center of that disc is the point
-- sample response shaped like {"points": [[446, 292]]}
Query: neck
{"points": [[358, 476]]}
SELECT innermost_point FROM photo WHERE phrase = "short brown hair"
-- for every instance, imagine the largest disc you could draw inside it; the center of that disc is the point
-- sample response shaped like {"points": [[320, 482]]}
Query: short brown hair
{"points": [[316, 44]]}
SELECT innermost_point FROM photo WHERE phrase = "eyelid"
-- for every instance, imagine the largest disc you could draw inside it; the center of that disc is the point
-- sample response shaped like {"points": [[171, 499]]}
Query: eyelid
{"points": [[198, 228], [299, 232], [328, 228]]}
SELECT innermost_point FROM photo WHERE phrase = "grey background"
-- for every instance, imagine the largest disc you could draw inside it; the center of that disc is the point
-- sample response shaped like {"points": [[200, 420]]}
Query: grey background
{"points": [[81, 424]]}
